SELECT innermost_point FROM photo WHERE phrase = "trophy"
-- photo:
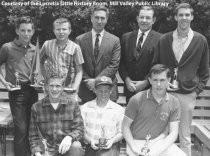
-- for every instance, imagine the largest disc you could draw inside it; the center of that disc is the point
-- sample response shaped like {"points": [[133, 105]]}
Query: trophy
{"points": [[46, 153], [17, 83], [174, 85], [145, 149], [102, 140], [36, 84]]}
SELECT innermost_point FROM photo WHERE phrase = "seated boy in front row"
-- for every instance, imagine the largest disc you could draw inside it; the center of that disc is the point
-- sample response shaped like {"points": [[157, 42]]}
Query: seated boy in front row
{"points": [[147, 116], [56, 122]]}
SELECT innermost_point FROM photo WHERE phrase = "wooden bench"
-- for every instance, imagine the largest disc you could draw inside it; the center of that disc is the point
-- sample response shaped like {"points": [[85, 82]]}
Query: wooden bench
{"points": [[201, 121], [5, 122], [201, 117]]}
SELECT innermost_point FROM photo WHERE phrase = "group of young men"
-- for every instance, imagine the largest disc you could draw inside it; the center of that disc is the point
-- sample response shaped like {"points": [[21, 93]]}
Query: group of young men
{"points": [[157, 111]]}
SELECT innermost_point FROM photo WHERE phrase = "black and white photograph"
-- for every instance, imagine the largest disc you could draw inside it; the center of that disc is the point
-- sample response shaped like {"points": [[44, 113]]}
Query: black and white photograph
{"points": [[104, 78]]}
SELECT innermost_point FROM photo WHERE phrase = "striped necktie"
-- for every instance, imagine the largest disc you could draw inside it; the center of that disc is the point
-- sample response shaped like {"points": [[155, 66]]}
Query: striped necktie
{"points": [[96, 48], [138, 47]]}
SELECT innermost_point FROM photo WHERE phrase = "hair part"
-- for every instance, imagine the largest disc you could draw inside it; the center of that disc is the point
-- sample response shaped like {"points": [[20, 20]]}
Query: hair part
{"points": [[100, 8], [25, 20], [55, 76], [147, 7], [185, 6], [159, 68], [62, 20]]}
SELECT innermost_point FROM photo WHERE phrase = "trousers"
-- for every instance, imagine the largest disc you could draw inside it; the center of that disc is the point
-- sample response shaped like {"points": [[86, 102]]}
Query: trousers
{"points": [[113, 151], [20, 104], [187, 103], [172, 150]]}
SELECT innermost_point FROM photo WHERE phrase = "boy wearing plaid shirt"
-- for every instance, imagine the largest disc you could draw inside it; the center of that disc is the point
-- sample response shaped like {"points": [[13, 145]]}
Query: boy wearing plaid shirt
{"points": [[57, 121]]}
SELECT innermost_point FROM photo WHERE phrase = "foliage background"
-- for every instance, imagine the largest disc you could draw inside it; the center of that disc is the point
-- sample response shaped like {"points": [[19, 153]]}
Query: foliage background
{"points": [[122, 18]]}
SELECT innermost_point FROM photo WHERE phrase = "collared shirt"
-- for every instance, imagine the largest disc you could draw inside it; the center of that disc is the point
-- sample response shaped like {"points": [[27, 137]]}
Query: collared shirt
{"points": [[144, 37], [53, 124], [150, 117], [180, 44], [94, 37], [17, 59], [58, 60], [102, 121]]}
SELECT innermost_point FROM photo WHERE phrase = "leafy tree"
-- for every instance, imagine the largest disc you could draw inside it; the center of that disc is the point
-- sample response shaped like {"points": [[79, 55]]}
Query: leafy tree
{"points": [[122, 18]]}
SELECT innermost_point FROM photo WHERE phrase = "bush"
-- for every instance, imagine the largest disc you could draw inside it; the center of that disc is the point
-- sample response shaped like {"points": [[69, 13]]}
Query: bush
{"points": [[122, 18]]}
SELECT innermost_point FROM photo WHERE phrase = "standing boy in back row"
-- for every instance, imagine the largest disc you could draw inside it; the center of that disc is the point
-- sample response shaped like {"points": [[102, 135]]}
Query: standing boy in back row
{"points": [[18, 56], [186, 53]]}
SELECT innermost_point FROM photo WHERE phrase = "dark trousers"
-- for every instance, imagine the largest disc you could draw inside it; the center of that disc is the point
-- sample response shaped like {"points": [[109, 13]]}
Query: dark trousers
{"points": [[113, 151], [20, 105], [75, 150]]}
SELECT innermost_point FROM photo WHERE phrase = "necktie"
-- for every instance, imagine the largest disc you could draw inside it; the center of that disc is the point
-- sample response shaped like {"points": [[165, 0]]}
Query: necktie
{"points": [[138, 48], [96, 48]]}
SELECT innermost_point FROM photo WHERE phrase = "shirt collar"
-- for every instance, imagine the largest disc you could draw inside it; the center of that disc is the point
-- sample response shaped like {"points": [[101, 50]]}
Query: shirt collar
{"points": [[56, 41], [175, 33], [93, 104], [145, 33], [94, 33], [19, 44], [150, 96]]}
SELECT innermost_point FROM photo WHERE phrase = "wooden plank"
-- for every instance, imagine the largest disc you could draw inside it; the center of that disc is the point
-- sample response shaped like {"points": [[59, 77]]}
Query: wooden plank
{"points": [[201, 112], [201, 122], [203, 134], [205, 93], [207, 127], [121, 100], [203, 103], [120, 90]]}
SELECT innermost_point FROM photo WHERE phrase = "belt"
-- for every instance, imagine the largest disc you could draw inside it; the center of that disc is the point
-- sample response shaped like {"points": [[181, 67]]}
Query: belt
{"points": [[23, 83]]}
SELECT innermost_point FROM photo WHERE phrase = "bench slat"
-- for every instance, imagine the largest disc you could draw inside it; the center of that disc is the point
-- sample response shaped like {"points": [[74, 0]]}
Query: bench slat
{"points": [[201, 113], [203, 103], [203, 134]]}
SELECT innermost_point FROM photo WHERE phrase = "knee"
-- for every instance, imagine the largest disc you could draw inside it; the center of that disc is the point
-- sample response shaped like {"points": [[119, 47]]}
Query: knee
{"points": [[76, 145], [21, 129], [76, 149]]}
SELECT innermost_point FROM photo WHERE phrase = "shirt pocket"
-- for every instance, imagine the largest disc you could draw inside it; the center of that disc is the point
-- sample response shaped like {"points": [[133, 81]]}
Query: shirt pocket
{"points": [[67, 121], [45, 125]]}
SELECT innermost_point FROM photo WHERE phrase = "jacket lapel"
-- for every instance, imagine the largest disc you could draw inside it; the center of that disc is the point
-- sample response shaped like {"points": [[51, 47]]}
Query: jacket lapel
{"points": [[187, 53], [89, 46], [133, 43]]}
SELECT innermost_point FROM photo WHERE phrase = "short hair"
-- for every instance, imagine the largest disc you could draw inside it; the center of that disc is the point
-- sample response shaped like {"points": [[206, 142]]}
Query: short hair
{"points": [[62, 20], [159, 68], [183, 5], [54, 76], [24, 19], [147, 7], [100, 8]]}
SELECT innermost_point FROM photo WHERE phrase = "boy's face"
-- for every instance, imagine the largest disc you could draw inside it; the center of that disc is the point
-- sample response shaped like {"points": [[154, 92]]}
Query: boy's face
{"points": [[62, 31], [159, 83], [25, 32], [55, 88], [184, 18], [103, 92]]}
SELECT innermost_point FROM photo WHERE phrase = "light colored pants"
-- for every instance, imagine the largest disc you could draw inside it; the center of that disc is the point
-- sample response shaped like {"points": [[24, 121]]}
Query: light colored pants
{"points": [[187, 102], [173, 150]]}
